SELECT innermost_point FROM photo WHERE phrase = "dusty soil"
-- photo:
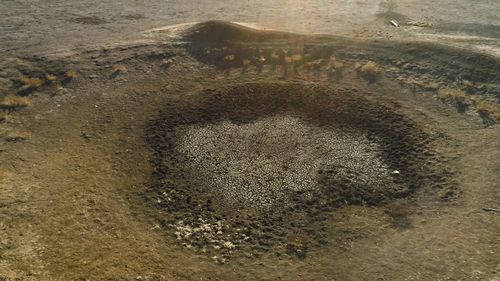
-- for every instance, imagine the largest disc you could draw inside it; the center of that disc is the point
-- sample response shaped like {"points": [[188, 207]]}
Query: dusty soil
{"points": [[28, 27], [107, 179]]}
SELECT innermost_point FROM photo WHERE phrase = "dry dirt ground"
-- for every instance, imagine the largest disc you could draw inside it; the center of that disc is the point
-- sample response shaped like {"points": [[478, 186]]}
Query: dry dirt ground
{"points": [[120, 168], [28, 26]]}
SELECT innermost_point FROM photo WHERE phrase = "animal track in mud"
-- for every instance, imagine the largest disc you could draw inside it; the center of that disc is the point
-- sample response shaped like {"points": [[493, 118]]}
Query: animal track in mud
{"points": [[249, 168]]}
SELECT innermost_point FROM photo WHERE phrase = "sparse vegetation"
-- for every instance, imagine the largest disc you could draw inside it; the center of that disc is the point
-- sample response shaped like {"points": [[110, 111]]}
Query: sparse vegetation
{"points": [[70, 75], [336, 65], [50, 78], [335, 68], [452, 96], [420, 24], [31, 82], [229, 57], [12, 102], [456, 97], [119, 69], [167, 63], [369, 71], [488, 110], [16, 136], [297, 58]]}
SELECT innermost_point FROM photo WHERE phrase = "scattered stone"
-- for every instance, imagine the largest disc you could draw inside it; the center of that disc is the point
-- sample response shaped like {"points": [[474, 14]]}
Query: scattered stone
{"points": [[166, 63]]}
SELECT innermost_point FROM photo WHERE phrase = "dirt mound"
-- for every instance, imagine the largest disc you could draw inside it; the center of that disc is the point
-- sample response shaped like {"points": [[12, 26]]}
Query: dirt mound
{"points": [[223, 32], [228, 45], [232, 164]]}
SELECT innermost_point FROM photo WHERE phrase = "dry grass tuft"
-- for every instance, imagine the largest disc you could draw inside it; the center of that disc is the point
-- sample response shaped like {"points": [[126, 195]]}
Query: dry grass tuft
{"points": [[119, 69], [166, 62], [488, 109], [70, 74], [50, 78], [31, 82], [229, 57], [297, 58], [12, 102], [335, 64], [452, 96], [369, 71], [455, 96], [17, 136]]}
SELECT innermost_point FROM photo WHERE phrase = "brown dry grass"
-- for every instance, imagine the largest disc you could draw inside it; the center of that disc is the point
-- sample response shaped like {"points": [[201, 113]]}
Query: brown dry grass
{"points": [[489, 109], [120, 68], [12, 102], [369, 71], [17, 136], [50, 78], [32, 82], [167, 62], [335, 64], [70, 74], [452, 96]]}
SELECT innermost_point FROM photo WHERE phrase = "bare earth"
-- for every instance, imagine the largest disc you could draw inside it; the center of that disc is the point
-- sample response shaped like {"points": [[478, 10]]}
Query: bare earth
{"points": [[150, 161]]}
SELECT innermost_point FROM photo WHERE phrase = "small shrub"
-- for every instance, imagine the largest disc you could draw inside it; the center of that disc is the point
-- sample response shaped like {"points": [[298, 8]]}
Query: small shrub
{"points": [[335, 69], [119, 69], [452, 96], [488, 109], [17, 136], [12, 102], [297, 58], [70, 75], [50, 78], [335, 64], [229, 57], [455, 97], [166, 63], [369, 71], [31, 82]]}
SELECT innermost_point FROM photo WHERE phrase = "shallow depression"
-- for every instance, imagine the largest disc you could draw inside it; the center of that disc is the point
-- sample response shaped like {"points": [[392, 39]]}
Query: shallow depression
{"points": [[248, 167]]}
